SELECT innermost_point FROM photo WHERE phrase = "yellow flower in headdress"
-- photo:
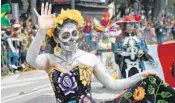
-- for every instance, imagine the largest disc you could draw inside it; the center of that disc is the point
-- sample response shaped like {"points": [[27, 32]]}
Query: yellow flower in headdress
{"points": [[139, 94], [97, 25], [72, 14], [85, 74]]}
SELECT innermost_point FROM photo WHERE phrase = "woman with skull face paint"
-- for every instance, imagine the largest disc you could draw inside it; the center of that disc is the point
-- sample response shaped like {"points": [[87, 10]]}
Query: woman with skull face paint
{"points": [[70, 71]]}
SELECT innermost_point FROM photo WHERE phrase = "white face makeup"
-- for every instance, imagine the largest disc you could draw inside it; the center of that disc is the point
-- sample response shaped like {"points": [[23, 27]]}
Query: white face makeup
{"points": [[106, 33], [68, 33], [68, 37]]}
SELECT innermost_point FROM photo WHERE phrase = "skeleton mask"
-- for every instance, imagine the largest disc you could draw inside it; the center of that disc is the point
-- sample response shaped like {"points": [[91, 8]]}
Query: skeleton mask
{"points": [[106, 33], [68, 37]]}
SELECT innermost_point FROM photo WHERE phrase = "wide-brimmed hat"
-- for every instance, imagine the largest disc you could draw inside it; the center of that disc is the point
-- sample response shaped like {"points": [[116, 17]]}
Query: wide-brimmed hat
{"points": [[130, 19]]}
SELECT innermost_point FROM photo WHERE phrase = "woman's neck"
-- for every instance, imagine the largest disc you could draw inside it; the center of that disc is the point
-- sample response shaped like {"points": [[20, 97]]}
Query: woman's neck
{"points": [[67, 55]]}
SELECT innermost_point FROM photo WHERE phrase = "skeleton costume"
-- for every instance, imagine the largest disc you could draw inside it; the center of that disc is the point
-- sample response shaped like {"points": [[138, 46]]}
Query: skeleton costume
{"points": [[71, 69], [132, 50]]}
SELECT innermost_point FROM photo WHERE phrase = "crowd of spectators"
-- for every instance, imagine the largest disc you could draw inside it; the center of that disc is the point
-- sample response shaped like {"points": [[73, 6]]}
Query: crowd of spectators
{"points": [[15, 40]]}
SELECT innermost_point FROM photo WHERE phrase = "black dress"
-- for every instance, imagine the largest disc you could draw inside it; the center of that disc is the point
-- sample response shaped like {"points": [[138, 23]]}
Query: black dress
{"points": [[73, 86], [150, 90]]}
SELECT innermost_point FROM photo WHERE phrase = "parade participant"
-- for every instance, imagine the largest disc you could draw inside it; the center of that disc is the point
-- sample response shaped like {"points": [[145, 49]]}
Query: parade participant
{"points": [[160, 31], [69, 68], [132, 49], [173, 31], [106, 46], [90, 45]]}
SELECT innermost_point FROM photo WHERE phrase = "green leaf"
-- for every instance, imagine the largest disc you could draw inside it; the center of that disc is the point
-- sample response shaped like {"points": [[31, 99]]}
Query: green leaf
{"points": [[162, 101], [127, 95], [166, 94], [150, 89], [165, 84], [152, 79]]}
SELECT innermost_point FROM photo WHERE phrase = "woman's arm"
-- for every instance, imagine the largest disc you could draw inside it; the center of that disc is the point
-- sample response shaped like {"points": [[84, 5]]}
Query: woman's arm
{"points": [[33, 57], [119, 84], [45, 21]]}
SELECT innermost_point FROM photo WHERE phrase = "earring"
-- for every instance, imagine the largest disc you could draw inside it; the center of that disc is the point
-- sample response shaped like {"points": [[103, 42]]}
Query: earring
{"points": [[57, 50]]}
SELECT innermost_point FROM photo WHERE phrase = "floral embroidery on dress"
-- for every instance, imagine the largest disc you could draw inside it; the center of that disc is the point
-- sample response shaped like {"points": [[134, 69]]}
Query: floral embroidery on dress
{"points": [[85, 99], [67, 83], [150, 90], [139, 94], [72, 86], [85, 74]]}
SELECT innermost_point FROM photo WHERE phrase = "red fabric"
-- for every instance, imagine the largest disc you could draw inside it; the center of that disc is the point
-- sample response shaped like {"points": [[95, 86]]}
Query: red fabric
{"points": [[15, 34], [129, 18], [109, 50], [138, 18], [166, 55], [87, 27]]}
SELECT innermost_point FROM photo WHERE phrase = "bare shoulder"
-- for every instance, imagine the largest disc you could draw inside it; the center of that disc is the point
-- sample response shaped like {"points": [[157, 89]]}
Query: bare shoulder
{"points": [[86, 58], [86, 54]]}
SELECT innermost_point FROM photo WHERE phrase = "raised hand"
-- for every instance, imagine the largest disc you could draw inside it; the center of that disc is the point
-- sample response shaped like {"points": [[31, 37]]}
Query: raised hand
{"points": [[46, 19]]}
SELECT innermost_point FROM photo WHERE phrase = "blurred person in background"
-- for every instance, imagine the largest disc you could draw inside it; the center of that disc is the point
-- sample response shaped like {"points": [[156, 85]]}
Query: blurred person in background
{"points": [[173, 31], [14, 43], [4, 37], [152, 33], [25, 44], [160, 32]]}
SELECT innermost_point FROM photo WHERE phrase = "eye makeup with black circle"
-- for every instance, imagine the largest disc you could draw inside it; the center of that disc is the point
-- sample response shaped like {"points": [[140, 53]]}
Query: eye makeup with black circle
{"points": [[65, 35], [75, 33]]}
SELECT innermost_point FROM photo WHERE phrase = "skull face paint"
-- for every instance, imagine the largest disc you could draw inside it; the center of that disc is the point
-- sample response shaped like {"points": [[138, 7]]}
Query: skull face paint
{"points": [[68, 37]]}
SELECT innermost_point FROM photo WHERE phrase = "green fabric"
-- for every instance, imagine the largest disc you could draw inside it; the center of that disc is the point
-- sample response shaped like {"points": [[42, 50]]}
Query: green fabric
{"points": [[4, 58], [4, 20], [5, 8]]}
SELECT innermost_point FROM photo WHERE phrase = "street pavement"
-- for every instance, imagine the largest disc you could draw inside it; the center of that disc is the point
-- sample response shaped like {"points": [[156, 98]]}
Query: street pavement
{"points": [[34, 87]]}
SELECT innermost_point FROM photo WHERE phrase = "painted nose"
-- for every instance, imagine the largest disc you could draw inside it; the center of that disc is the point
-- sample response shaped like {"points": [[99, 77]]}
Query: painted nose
{"points": [[72, 39]]}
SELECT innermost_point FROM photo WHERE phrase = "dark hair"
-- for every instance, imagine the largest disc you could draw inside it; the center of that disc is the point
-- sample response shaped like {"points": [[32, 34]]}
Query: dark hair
{"points": [[50, 45]]}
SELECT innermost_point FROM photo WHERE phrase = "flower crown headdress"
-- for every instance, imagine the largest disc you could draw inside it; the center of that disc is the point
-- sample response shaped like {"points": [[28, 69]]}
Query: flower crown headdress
{"points": [[72, 14]]}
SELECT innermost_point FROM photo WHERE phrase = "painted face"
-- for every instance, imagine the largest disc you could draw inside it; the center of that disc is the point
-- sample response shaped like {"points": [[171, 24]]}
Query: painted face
{"points": [[68, 37], [129, 27], [106, 33]]}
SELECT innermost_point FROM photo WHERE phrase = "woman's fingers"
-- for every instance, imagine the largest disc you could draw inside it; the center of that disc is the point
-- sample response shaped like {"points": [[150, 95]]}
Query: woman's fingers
{"points": [[147, 73], [36, 12], [50, 9], [42, 9], [46, 9]]}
